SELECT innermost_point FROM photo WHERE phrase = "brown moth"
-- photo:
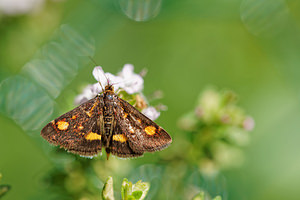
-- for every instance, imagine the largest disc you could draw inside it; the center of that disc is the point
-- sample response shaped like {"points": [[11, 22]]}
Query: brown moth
{"points": [[106, 121]]}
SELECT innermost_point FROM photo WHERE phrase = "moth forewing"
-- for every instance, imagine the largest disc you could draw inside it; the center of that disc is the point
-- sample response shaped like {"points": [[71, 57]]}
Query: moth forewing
{"points": [[143, 134], [76, 131]]}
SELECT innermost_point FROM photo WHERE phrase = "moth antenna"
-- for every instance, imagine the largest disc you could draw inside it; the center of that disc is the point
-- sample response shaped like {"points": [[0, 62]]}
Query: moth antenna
{"points": [[103, 73], [93, 60]]}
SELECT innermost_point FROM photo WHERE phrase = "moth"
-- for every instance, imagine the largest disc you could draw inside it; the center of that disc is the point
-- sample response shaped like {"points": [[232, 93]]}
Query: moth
{"points": [[109, 122]]}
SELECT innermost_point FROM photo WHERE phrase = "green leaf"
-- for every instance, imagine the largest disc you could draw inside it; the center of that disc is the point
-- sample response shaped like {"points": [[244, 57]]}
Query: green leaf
{"points": [[130, 198], [141, 187], [108, 189], [137, 194]]}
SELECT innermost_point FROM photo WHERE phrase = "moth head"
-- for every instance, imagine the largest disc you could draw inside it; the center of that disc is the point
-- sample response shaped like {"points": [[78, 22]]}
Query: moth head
{"points": [[109, 88]]}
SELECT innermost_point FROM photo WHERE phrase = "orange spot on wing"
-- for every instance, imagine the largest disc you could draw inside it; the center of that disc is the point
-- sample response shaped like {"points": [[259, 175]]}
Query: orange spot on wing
{"points": [[139, 120], [93, 136], [74, 116], [120, 138], [150, 130], [90, 112], [125, 115], [62, 125], [80, 127]]}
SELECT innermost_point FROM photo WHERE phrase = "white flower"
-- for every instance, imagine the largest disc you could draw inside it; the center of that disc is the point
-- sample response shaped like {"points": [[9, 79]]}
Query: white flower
{"points": [[96, 88], [151, 113], [126, 80], [132, 83], [106, 78], [17, 7]]}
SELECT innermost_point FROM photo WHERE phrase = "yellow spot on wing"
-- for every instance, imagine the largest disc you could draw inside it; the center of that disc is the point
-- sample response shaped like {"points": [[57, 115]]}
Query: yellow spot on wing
{"points": [[88, 114], [125, 115], [120, 138], [80, 127], [93, 136], [62, 125], [150, 130], [74, 117]]}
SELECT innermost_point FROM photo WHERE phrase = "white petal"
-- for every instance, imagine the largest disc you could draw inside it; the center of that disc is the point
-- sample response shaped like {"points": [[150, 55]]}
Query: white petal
{"points": [[134, 85], [87, 90], [110, 78], [116, 81], [98, 73], [96, 88], [86, 95], [79, 99], [127, 71], [151, 113]]}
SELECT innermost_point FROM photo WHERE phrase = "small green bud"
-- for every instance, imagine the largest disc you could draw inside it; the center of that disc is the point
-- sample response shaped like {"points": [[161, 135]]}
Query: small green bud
{"points": [[136, 191], [209, 103], [108, 189], [125, 188]]}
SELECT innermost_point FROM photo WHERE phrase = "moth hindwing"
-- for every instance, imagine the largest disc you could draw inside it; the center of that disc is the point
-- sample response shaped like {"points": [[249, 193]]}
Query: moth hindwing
{"points": [[106, 121]]}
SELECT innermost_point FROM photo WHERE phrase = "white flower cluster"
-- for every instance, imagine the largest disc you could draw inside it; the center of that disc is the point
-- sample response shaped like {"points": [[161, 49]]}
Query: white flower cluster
{"points": [[19, 7], [126, 80]]}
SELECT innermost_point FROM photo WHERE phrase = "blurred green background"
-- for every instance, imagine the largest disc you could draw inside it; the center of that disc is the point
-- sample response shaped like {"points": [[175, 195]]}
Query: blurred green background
{"points": [[249, 46]]}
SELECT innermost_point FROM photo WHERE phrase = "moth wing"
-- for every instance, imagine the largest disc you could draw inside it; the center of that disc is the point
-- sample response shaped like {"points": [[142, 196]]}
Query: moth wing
{"points": [[120, 145], [77, 131], [143, 134]]}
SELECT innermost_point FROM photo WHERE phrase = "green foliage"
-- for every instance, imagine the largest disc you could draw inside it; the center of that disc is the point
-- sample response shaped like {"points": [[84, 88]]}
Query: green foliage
{"points": [[129, 191], [44, 77], [3, 188], [137, 191], [217, 128]]}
